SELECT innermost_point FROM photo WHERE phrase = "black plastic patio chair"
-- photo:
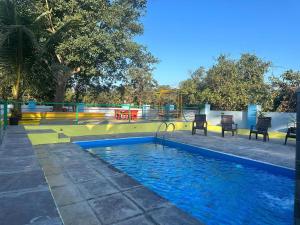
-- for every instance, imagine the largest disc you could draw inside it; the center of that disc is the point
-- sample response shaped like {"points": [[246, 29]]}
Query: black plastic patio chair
{"points": [[199, 123], [228, 124], [261, 127], [291, 133]]}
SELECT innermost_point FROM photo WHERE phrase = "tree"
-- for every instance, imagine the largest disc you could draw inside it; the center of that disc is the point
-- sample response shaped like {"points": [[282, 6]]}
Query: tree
{"points": [[140, 86], [233, 84], [252, 71], [97, 39], [191, 87], [17, 46], [285, 91], [222, 85]]}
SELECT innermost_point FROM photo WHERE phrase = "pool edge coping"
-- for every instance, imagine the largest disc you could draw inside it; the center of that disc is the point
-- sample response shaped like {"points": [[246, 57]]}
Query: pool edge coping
{"points": [[194, 146]]}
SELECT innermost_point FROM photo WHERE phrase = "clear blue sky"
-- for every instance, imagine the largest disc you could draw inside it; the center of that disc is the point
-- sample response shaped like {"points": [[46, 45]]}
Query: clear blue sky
{"points": [[187, 34]]}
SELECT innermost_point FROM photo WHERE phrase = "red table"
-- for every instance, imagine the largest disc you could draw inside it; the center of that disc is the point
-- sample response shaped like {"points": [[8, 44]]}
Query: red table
{"points": [[123, 114]]}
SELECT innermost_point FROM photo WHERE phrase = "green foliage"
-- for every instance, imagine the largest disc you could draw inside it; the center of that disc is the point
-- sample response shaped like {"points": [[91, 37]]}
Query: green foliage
{"points": [[285, 91], [191, 87], [81, 45], [230, 84], [140, 87], [17, 47], [93, 38]]}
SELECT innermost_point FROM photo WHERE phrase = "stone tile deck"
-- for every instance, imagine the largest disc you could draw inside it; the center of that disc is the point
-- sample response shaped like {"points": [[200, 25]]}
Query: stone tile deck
{"points": [[273, 151], [24, 194], [90, 191]]}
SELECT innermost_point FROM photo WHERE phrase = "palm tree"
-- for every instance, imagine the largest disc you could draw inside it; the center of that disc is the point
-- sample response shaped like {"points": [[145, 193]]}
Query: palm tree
{"points": [[17, 47]]}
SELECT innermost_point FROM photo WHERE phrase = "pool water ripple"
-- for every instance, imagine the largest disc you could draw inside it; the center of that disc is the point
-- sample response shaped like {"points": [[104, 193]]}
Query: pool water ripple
{"points": [[213, 190]]}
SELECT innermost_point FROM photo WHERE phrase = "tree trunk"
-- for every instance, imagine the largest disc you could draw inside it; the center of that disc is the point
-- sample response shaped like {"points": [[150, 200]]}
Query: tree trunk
{"points": [[16, 86], [60, 90]]}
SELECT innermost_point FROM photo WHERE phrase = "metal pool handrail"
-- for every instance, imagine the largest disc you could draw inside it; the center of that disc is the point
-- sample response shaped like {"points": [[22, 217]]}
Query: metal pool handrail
{"points": [[158, 129], [166, 129], [174, 127]]}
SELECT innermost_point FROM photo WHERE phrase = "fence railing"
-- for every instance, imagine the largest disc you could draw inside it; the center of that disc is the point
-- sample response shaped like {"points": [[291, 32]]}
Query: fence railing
{"points": [[33, 113], [70, 113]]}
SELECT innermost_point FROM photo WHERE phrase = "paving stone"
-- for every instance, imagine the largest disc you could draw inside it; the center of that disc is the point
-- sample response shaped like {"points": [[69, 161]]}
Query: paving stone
{"points": [[103, 167], [57, 180], [145, 198], [63, 152], [124, 182], [13, 152], [114, 208], [139, 220], [96, 188], [15, 129], [18, 163], [174, 216], [82, 174], [21, 180], [75, 164], [273, 151], [66, 195], [52, 170], [15, 135], [35, 208], [51, 161], [42, 155], [41, 148], [41, 152], [20, 142], [78, 214]]}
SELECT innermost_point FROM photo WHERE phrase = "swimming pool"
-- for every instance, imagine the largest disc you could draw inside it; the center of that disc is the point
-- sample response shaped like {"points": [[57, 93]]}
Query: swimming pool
{"points": [[214, 187]]}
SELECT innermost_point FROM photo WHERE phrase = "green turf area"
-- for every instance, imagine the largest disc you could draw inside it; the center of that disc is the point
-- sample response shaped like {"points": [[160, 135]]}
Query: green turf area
{"points": [[108, 129], [46, 138]]}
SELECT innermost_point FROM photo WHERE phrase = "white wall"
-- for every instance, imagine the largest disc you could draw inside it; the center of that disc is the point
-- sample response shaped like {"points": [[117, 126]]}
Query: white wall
{"points": [[281, 121], [239, 117]]}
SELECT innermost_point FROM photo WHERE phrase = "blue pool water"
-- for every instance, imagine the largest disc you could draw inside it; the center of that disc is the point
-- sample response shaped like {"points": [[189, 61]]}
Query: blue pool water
{"points": [[214, 190]]}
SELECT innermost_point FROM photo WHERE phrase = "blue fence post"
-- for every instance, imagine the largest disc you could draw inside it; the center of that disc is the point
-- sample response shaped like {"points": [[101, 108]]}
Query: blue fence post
{"points": [[252, 114]]}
